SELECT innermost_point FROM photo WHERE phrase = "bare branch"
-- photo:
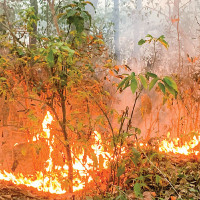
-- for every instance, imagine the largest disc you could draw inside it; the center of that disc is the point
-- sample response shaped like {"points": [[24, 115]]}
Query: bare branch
{"points": [[185, 4], [197, 21]]}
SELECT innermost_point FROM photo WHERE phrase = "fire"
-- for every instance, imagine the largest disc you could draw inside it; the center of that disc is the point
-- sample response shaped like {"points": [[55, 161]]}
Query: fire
{"points": [[47, 180], [175, 147]]}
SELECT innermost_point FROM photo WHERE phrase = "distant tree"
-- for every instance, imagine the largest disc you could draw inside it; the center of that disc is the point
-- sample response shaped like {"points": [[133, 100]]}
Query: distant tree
{"points": [[32, 39], [116, 18], [137, 26]]}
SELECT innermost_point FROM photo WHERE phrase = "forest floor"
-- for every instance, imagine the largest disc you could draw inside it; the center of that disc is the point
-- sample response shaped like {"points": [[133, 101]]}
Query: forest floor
{"points": [[183, 173]]}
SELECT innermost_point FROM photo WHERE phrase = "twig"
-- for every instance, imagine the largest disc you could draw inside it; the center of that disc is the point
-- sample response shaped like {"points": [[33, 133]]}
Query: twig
{"points": [[129, 122], [185, 4], [197, 20]]}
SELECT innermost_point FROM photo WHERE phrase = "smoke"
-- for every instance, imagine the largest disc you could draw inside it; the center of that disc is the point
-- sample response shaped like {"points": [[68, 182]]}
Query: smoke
{"points": [[176, 20]]}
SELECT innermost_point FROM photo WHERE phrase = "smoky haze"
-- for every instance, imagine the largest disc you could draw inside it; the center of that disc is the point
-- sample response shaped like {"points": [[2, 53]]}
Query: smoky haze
{"points": [[178, 21]]}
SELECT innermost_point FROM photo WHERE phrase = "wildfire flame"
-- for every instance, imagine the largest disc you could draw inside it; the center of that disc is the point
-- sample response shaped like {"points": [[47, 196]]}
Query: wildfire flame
{"points": [[174, 146], [47, 180]]}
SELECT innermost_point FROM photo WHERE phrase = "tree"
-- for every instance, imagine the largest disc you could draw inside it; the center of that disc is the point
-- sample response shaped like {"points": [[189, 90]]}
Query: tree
{"points": [[137, 26], [33, 40], [60, 73], [116, 29]]}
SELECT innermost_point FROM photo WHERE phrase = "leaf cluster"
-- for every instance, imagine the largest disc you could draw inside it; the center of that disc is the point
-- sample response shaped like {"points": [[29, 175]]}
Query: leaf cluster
{"points": [[150, 38], [75, 14], [29, 17], [148, 81]]}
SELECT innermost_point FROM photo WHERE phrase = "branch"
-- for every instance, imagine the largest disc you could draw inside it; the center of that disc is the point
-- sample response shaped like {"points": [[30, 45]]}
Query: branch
{"points": [[9, 28], [130, 120], [14, 36], [157, 11], [197, 20], [185, 4]]}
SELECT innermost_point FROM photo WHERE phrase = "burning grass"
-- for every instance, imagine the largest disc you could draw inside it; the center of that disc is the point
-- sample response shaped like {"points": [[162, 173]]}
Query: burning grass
{"points": [[50, 179], [141, 169]]}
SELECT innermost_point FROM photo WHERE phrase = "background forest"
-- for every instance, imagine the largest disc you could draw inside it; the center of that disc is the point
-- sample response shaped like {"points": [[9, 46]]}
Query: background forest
{"points": [[100, 99]]}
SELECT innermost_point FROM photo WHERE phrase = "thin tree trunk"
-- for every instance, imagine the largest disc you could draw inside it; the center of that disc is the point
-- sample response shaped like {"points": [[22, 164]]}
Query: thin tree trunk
{"points": [[68, 147], [47, 15], [55, 21], [32, 39], [116, 30], [137, 26]]}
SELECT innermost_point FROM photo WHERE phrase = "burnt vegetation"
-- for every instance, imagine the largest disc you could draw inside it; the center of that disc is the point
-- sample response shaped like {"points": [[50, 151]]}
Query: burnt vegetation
{"points": [[63, 133]]}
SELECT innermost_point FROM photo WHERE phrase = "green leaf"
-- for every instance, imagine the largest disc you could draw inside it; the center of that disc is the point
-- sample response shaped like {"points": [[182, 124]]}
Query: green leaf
{"points": [[87, 16], [3, 78], [70, 13], [137, 189], [171, 90], [122, 83], [66, 48], [163, 42], [153, 82], [141, 42], [148, 35], [88, 2], [50, 58], [161, 37], [136, 156], [170, 82], [162, 87], [133, 74], [158, 178], [133, 85], [152, 75], [79, 23], [126, 84], [120, 170], [143, 81]]}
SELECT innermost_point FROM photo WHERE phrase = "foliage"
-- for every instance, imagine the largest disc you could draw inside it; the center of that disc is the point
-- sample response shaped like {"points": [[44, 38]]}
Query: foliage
{"points": [[75, 14], [148, 81], [29, 18], [150, 39], [59, 75], [65, 74]]}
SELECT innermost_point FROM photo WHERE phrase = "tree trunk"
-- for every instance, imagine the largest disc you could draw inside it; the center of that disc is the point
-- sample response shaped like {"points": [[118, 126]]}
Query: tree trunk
{"points": [[116, 30], [137, 27], [47, 17], [32, 38], [67, 146], [55, 21]]}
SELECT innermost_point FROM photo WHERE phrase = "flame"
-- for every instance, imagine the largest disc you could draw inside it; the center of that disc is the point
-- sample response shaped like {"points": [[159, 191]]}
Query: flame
{"points": [[48, 180], [175, 147]]}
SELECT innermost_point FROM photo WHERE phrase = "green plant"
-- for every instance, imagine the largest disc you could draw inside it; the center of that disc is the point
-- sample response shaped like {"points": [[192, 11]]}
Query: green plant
{"points": [[150, 39]]}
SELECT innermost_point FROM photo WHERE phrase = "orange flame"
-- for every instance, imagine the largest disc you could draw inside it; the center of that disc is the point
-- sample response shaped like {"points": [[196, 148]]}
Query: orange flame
{"points": [[174, 147], [47, 181]]}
